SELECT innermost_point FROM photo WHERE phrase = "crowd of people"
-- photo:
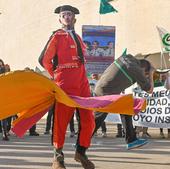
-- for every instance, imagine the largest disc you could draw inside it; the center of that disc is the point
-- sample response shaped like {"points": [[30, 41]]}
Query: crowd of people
{"points": [[94, 49]]}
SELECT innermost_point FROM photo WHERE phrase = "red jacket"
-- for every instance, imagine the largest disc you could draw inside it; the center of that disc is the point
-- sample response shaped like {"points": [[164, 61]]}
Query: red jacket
{"points": [[62, 46], [69, 72]]}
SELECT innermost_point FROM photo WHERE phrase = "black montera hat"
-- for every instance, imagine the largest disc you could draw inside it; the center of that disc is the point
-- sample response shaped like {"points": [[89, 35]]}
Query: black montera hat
{"points": [[66, 8]]}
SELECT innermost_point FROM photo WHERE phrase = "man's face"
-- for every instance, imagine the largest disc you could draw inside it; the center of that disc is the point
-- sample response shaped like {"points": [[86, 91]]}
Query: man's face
{"points": [[67, 18], [2, 68], [110, 45], [94, 76], [1, 64], [95, 45]]}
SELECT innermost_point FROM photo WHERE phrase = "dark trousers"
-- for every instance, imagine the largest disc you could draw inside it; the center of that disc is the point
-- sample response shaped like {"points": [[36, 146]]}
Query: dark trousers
{"points": [[161, 130], [72, 129], [130, 134], [9, 120], [32, 129], [119, 129], [99, 119], [3, 128], [5, 125], [49, 118], [103, 126], [72, 124]]}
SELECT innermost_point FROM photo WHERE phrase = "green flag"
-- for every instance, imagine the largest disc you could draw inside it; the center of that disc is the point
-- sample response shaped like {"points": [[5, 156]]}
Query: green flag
{"points": [[124, 52], [165, 39], [105, 7], [88, 74]]}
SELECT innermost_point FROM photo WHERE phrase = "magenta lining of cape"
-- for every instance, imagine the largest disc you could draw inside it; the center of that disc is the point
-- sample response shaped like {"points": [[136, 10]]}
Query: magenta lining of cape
{"points": [[21, 127]]}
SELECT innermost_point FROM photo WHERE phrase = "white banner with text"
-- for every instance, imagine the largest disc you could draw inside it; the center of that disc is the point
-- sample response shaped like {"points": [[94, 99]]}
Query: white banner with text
{"points": [[157, 112]]}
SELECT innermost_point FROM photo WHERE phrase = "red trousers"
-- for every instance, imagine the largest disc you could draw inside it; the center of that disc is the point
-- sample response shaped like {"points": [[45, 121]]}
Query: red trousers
{"points": [[75, 83], [62, 117]]}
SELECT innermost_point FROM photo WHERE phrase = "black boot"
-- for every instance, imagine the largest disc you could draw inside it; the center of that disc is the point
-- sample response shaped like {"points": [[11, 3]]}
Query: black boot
{"points": [[4, 130], [119, 131], [4, 136]]}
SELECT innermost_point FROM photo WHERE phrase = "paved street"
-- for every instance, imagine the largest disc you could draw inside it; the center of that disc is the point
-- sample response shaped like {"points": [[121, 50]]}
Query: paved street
{"points": [[107, 153]]}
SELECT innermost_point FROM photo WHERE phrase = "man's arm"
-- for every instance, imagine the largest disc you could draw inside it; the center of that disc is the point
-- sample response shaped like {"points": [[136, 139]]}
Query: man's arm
{"points": [[47, 55]]}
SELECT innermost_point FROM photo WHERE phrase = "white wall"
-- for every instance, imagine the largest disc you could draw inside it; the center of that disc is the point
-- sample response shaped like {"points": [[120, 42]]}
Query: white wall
{"points": [[25, 26]]}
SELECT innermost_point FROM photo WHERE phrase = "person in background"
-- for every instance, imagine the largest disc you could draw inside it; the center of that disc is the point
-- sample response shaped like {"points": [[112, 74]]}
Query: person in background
{"points": [[9, 119], [68, 72], [165, 79], [120, 131], [2, 66], [124, 72], [92, 82], [72, 129], [110, 49], [7, 122], [88, 47], [72, 124], [3, 123], [32, 131], [96, 50], [49, 120], [7, 68], [144, 131]]}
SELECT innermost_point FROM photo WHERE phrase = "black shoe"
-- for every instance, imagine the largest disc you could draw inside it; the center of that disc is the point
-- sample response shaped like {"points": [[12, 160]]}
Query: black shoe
{"points": [[72, 134], [34, 133], [5, 138], [119, 135], [47, 132]]}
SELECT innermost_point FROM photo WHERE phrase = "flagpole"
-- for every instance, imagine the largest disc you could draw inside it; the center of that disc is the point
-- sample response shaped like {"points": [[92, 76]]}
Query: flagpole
{"points": [[99, 19], [162, 55]]}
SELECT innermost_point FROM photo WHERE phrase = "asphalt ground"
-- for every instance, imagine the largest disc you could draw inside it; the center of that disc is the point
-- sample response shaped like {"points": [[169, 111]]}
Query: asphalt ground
{"points": [[33, 152]]}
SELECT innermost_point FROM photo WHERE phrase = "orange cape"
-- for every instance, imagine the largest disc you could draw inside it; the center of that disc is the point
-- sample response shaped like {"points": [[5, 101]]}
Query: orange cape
{"points": [[30, 95]]}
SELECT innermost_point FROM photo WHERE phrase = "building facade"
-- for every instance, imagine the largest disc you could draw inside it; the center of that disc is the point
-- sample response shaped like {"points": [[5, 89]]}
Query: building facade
{"points": [[25, 26]]}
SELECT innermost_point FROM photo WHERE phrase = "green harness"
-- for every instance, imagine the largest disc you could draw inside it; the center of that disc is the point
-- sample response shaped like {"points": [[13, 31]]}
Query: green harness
{"points": [[123, 71]]}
